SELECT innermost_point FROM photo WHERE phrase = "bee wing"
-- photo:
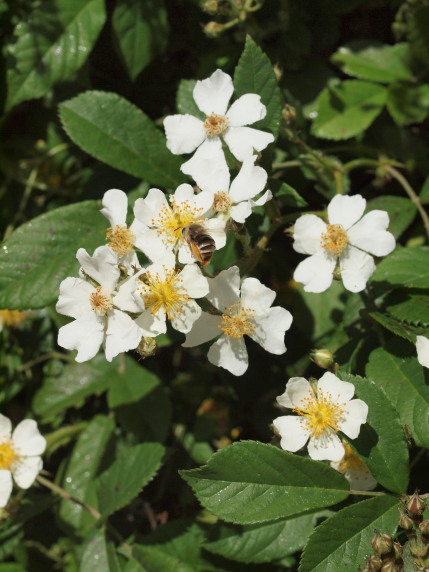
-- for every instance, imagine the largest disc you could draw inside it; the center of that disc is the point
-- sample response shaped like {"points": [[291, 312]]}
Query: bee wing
{"points": [[195, 251]]}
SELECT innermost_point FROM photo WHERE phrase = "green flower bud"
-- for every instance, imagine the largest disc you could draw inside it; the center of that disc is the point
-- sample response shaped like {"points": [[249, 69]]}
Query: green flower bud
{"points": [[382, 543]]}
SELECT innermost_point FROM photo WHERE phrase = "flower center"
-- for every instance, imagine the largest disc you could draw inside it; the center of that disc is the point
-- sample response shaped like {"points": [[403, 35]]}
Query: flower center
{"points": [[100, 302], [172, 219], [8, 456], [121, 239], [222, 202], [215, 125], [164, 292], [321, 413], [335, 239], [237, 321], [12, 317]]}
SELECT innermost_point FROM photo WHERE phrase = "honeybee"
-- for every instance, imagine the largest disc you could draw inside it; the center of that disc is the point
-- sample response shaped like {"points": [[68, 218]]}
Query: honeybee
{"points": [[200, 242]]}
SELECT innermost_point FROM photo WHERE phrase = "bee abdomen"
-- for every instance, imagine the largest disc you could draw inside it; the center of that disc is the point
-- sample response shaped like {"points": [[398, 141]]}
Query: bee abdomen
{"points": [[206, 245]]}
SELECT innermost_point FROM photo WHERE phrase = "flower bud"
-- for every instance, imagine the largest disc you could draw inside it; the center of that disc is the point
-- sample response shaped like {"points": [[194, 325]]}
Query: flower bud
{"points": [[415, 504], [147, 347], [322, 358], [382, 543], [424, 527], [405, 521], [212, 29], [373, 563], [288, 113], [417, 547], [210, 7], [397, 550], [390, 566]]}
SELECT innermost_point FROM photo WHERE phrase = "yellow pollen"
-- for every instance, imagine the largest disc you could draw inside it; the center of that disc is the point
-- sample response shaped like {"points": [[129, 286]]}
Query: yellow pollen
{"points": [[335, 239], [321, 413], [172, 219], [164, 292], [100, 302], [121, 239], [221, 202], [8, 456], [215, 125], [12, 317], [351, 462], [237, 321]]}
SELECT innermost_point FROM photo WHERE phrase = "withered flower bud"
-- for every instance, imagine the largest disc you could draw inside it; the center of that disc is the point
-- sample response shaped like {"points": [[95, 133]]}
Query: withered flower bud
{"points": [[373, 563], [424, 527], [415, 504], [397, 550], [381, 543], [405, 521]]}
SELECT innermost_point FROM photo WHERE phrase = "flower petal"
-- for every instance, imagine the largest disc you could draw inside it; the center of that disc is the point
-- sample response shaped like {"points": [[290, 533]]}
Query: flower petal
{"points": [[249, 182], [229, 353], [270, 329], [102, 266], [267, 196], [122, 334], [356, 268], [307, 234], [316, 272], [297, 392], [213, 94], [189, 314], [422, 347], [294, 435], [195, 284], [244, 141], [128, 299], [152, 245], [240, 212], [356, 413], [246, 110], [204, 329], [27, 438], [256, 296], [147, 209], [183, 194], [74, 298], [370, 234], [184, 133], [26, 472], [152, 324], [208, 167], [327, 447], [6, 486], [345, 210], [115, 203], [224, 288], [339, 390], [5, 426], [216, 229], [84, 335]]}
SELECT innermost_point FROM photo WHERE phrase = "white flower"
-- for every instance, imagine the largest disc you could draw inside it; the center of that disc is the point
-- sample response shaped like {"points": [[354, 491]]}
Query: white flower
{"points": [[422, 347], [19, 455], [347, 239], [167, 221], [231, 200], [249, 314], [169, 293], [96, 308], [185, 133], [355, 470], [321, 415]]}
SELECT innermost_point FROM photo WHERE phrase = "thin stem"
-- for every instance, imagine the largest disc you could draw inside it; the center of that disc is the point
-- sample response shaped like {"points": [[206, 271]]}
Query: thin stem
{"points": [[411, 193], [367, 493], [42, 358], [287, 164]]}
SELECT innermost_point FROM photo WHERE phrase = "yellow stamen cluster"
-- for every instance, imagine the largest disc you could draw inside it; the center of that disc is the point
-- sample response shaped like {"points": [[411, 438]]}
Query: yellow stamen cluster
{"points": [[165, 292], [335, 239], [12, 317], [172, 219], [222, 202], [237, 321], [8, 455], [215, 125], [321, 413], [121, 239], [100, 302]]}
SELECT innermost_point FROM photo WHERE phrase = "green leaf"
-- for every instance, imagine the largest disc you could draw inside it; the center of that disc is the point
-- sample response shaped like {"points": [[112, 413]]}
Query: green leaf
{"points": [[83, 466], [249, 482], [395, 326], [405, 267], [75, 383], [344, 540], [254, 74], [185, 99], [409, 306], [156, 560], [41, 253], [384, 64], [286, 194], [116, 132], [396, 370], [266, 542], [400, 209], [381, 443], [348, 108], [418, 22], [140, 403], [408, 103], [51, 46], [98, 555], [125, 478], [141, 32]]}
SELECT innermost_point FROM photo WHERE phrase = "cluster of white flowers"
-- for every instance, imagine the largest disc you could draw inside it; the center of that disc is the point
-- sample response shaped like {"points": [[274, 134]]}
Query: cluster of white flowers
{"points": [[117, 302]]}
